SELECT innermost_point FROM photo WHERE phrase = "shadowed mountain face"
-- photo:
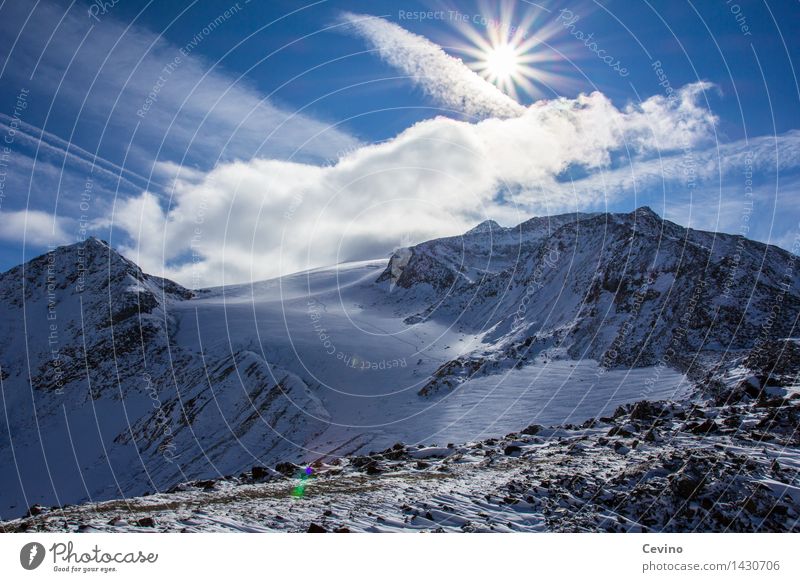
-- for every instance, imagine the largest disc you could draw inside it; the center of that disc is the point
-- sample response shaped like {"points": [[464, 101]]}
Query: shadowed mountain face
{"points": [[626, 290], [116, 383]]}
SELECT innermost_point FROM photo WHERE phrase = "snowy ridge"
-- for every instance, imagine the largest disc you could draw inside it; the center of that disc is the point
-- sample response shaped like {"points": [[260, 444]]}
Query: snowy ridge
{"points": [[627, 290]]}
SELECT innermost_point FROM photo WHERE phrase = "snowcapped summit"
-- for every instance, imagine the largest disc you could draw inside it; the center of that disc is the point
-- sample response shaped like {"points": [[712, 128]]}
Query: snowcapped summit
{"points": [[646, 211], [489, 226]]}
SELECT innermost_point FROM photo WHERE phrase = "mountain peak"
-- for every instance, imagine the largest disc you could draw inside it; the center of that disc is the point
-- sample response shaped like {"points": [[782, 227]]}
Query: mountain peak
{"points": [[485, 226], [94, 241], [645, 211]]}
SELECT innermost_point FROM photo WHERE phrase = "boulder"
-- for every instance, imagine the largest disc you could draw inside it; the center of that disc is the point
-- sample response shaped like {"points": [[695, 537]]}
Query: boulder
{"points": [[286, 468], [259, 472]]}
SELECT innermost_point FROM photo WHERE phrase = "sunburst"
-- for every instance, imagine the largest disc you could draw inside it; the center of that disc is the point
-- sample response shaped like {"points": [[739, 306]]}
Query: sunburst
{"points": [[514, 57]]}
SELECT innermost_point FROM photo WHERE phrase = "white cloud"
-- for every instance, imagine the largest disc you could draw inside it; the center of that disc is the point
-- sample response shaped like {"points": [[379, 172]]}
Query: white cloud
{"points": [[446, 79], [251, 220], [33, 226]]}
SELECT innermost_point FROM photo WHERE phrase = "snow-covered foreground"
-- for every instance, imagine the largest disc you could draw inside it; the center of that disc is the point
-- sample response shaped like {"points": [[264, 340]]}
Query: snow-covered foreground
{"points": [[650, 467]]}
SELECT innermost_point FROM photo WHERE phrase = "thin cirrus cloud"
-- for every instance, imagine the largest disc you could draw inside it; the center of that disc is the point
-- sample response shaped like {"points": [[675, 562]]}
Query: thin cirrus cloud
{"points": [[443, 77], [51, 149], [764, 155], [99, 77]]}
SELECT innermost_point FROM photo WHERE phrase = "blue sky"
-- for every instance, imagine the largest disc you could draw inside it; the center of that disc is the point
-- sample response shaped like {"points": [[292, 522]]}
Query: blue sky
{"points": [[222, 142]]}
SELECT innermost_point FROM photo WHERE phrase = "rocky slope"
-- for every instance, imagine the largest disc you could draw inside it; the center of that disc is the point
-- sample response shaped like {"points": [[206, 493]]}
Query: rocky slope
{"points": [[651, 467], [100, 402], [626, 290]]}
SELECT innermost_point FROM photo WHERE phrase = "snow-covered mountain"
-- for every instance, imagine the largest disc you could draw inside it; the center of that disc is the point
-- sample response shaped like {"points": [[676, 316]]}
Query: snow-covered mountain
{"points": [[626, 290], [116, 383]]}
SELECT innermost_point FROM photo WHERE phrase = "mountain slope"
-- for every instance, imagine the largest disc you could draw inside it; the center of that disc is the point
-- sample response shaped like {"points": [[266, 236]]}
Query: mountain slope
{"points": [[116, 383], [624, 290], [100, 403]]}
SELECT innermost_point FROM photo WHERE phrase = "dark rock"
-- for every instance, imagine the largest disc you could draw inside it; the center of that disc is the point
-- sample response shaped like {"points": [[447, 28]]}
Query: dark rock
{"points": [[774, 402], [780, 509], [396, 454], [621, 448], [619, 431], [687, 485], [259, 472], [644, 410], [35, 509], [732, 421], [365, 460], [286, 468], [512, 451], [146, 522], [722, 518], [314, 528], [697, 412], [532, 429], [708, 426]]}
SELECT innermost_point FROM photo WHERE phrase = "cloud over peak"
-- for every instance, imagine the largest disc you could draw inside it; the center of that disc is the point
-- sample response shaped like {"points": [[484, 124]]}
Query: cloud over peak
{"points": [[251, 220]]}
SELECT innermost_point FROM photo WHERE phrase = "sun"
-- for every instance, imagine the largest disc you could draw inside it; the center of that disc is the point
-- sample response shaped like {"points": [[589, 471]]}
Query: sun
{"points": [[514, 54], [502, 63]]}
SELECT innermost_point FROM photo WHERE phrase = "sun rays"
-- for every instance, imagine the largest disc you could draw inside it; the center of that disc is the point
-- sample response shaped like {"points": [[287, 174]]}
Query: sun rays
{"points": [[514, 54]]}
